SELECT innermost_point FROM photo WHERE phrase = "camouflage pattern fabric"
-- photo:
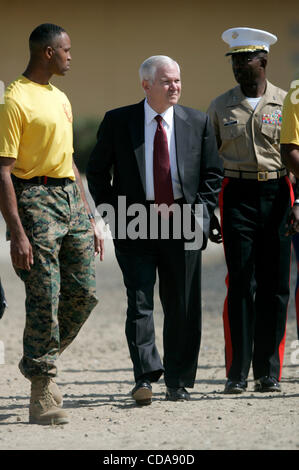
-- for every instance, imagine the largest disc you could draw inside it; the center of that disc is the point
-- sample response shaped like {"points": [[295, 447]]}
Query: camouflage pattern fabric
{"points": [[60, 287]]}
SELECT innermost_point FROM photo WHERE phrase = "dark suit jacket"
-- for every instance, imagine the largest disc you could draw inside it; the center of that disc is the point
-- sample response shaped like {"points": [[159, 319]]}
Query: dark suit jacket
{"points": [[120, 151]]}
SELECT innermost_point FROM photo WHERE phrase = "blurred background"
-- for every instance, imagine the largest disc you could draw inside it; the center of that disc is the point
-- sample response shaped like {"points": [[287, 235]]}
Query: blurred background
{"points": [[110, 39]]}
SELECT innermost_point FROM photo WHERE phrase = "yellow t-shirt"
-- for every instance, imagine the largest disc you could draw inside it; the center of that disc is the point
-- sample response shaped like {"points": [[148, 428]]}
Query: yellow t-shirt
{"points": [[290, 116], [36, 129]]}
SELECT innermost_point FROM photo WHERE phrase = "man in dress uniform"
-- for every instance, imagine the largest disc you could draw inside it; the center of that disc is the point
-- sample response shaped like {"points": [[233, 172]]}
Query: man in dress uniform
{"points": [[255, 201]]}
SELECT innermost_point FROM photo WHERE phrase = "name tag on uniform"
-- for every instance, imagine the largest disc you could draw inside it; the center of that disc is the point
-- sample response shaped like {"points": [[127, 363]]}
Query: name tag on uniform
{"points": [[230, 123], [274, 118]]}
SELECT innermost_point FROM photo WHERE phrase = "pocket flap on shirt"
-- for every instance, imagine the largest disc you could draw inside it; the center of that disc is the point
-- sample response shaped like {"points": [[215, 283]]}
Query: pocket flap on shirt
{"points": [[270, 130], [232, 131]]}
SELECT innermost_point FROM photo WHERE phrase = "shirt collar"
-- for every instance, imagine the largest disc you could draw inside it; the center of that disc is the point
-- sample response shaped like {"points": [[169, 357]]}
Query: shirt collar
{"points": [[150, 114], [270, 95]]}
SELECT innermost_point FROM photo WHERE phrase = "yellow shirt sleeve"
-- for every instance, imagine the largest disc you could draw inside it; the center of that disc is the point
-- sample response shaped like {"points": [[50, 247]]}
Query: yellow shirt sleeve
{"points": [[290, 118], [10, 129]]}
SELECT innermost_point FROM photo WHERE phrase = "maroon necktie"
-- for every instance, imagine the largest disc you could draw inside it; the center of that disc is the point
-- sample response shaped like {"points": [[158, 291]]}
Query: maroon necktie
{"points": [[162, 172]]}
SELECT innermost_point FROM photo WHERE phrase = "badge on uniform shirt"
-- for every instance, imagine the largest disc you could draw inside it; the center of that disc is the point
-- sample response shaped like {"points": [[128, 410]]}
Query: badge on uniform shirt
{"points": [[230, 123], [274, 118]]}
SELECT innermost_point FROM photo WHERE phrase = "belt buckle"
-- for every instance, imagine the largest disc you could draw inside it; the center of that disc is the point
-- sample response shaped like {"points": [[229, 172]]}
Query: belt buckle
{"points": [[262, 176]]}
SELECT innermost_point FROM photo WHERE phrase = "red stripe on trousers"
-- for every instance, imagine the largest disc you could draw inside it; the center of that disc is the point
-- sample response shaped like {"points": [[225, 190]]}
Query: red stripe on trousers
{"points": [[226, 326]]}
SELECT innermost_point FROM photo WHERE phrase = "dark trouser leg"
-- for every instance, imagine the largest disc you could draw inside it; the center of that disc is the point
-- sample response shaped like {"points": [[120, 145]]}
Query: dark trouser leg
{"points": [[180, 294], [254, 218], [139, 273], [295, 240], [239, 218], [273, 281]]}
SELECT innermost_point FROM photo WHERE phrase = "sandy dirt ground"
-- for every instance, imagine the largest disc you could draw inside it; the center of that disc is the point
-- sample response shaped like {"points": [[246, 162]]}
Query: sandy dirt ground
{"points": [[95, 377]]}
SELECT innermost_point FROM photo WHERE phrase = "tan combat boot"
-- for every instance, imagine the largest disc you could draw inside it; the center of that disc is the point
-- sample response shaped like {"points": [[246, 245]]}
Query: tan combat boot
{"points": [[53, 387], [56, 394], [43, 408]]}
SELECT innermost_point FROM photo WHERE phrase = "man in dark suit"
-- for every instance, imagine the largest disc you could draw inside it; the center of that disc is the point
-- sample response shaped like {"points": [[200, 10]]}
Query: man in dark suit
{"points": [[160, 154]]}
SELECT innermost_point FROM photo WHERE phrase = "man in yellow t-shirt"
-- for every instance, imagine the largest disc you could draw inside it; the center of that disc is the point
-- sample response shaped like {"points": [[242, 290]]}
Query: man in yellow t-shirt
{"points": [[289, 139], [52, 232]]}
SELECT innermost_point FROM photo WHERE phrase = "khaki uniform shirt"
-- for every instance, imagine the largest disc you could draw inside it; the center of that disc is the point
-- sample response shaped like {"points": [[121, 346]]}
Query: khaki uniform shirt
{"points": [[248, 139]]}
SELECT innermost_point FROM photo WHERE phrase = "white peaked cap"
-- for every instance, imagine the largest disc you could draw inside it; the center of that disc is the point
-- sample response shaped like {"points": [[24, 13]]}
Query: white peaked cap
{"points": [[248, 40]]}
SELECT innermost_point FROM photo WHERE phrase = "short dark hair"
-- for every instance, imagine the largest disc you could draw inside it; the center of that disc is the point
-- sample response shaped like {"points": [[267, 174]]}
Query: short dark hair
{"points": [[44, 35]]}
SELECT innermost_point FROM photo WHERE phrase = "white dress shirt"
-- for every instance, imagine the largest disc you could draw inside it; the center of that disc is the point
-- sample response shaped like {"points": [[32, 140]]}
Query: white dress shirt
{"points": [[150, 126]]}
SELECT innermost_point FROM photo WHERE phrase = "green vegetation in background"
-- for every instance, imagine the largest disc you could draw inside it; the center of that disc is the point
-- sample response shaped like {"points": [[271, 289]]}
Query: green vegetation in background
{"points": [[85, 137]]}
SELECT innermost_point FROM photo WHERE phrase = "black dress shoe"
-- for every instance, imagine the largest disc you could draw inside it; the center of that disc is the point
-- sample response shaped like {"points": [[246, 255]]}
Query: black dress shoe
{"points": [[142, 392], [177, 394], [235, 386], [267, 384]]}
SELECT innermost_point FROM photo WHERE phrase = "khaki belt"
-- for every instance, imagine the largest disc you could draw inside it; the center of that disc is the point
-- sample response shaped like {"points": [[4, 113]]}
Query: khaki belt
{"points": [[256, 175]]}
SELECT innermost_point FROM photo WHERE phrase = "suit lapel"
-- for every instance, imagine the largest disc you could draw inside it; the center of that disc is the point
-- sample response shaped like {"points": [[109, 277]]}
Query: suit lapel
{"points": [[182, 139], [136, 127]]}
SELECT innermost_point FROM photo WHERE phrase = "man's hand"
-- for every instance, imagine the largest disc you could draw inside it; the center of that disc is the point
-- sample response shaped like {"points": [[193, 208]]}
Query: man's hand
{"points": [[293, 221], [20, 247], [98, 241], [21, 252], [290, 157], [98, 237], [215, 230]]}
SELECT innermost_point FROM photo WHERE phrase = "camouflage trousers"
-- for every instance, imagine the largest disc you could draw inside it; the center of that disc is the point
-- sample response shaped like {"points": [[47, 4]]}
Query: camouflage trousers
{"points": [[60, 287]]}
